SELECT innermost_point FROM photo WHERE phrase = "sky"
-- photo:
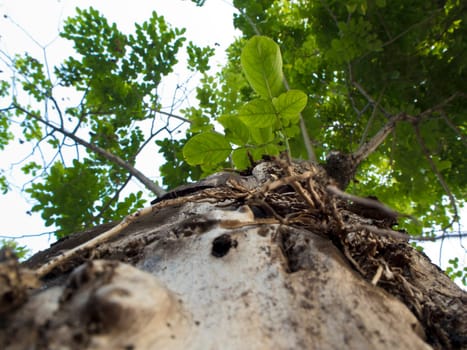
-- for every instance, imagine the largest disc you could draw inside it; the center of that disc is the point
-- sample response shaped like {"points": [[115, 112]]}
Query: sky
{"points": [[33, 26]]}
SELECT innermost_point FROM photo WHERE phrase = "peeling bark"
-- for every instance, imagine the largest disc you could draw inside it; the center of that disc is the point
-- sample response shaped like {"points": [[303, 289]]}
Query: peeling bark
{"points": [[268, 260]]}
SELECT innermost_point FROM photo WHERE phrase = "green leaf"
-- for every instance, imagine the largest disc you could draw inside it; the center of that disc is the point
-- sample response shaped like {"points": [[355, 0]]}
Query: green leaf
{"points": [[176, 171], [206, 148], [351, 7], [262, 64], [198, 57], [31, 168], [262, 135], [3, 183], [258, 113], [381, 3], [291, 131], [269, 149], [235, 130], [289, 105], [240, 158], [5, 134]]}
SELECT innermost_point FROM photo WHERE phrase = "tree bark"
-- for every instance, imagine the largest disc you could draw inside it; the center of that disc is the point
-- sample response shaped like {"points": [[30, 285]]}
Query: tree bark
{"points": [[268, 260]]}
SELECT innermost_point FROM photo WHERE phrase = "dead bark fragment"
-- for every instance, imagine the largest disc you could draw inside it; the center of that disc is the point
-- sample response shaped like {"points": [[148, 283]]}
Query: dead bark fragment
{"points": [[15, 281]]}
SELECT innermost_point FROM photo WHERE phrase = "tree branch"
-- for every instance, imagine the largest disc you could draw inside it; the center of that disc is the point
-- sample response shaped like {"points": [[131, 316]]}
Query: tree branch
{"points": [[371, 100], [404, 32], [437, 173], [437, 238], [441, 104], [172, 115], [369, 147], [306, 138], [454, 128], [159, 191], [370, 120], [33, 235]]}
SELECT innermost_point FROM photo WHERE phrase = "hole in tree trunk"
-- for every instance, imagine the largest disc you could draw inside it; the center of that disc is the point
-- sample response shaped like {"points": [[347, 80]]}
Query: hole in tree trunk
{"points": [[222, 244]]}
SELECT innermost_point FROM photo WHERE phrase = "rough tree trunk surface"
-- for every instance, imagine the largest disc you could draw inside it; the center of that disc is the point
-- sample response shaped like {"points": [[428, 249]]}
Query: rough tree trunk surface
{"points": [[274, 259]]}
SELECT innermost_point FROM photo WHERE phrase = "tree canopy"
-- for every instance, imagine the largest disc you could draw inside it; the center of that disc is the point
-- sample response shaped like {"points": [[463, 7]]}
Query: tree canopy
{"points": [[365, 64], [382, 83]]}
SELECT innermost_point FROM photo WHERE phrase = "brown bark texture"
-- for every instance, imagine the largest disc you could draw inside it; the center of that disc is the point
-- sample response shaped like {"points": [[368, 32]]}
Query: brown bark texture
{"points": [[276, 258]]}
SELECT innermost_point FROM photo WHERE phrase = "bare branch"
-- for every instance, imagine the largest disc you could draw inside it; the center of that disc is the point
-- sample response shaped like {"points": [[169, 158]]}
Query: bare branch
{"points": [[49, 233], [159, 191], [437, 238], [349, 95], [328, 9], [372, 117], [307, 141], [59, 111], [249, 20], [151, 136], [369, 147], [172, 115], [370, 99]]}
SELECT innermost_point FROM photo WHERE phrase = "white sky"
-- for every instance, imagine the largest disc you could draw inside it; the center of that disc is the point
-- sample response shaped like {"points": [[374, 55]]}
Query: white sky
{"points": [[207, 25]]}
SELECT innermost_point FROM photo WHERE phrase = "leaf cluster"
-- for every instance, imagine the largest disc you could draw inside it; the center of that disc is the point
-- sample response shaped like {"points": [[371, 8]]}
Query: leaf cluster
{"points": [[454, 271], [117, 76], [262, 125], [71, 198]]}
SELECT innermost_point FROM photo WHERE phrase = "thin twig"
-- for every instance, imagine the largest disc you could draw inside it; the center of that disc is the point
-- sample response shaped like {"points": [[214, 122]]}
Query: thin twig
{"points": [[159, 191], [370, 120], [440, 105], [370, 99], [401, 34], [250, 21], [454, 127], [34, 235], [172, 115], [437, 238]]}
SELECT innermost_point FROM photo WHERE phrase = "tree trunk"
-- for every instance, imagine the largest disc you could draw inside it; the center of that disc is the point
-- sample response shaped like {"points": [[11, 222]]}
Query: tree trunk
{"points": [[270, 260]]}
